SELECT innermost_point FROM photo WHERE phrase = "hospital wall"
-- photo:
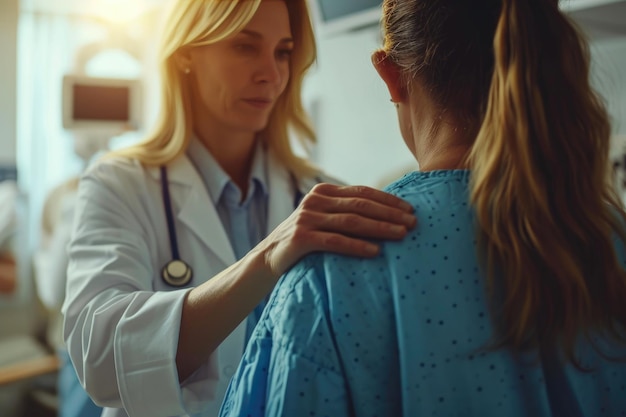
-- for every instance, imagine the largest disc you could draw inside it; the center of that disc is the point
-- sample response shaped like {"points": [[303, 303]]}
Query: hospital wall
{"points": [[609, 78], [359, 137]]}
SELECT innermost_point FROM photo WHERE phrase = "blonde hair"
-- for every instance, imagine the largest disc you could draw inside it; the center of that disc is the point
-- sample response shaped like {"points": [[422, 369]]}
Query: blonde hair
{"points": [[193, 23], [518, 72]]}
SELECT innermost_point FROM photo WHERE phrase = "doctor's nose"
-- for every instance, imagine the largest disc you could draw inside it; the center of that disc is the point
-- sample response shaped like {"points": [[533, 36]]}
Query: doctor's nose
{"points": [[271, 71]]}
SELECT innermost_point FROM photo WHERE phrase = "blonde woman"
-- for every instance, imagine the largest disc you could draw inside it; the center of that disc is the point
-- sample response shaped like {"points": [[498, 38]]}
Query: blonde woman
{"points": [[508, 298], [178, 240]]}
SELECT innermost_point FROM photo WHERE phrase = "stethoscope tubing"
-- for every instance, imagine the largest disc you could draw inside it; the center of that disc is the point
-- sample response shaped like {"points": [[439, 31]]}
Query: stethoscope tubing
{"points": [[167, 204]]}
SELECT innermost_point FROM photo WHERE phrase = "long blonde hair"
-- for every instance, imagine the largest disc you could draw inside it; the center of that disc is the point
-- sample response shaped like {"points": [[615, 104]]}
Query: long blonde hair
{"points": [[517, 71], [193, 23]]}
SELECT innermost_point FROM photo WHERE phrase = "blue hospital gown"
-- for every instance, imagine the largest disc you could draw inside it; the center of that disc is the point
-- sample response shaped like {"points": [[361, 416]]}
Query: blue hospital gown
{"points": [[401, 334]]}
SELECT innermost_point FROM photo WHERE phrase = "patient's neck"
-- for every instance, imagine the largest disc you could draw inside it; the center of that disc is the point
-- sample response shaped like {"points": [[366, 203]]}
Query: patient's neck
{"points": [[453, 157], [442, 146], [440, 137]]}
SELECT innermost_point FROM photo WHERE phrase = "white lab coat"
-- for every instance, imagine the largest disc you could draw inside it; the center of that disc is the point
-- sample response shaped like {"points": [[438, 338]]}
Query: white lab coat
{"points": [[121, 320]]}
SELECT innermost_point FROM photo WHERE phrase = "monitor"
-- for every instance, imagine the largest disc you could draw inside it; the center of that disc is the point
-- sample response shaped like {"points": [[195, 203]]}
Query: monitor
{"points": [[335, 16], [101, 103]]}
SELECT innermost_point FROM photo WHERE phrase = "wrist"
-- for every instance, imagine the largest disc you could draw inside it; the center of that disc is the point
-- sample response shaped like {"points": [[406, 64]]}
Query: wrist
{"points": [[259, 260]]}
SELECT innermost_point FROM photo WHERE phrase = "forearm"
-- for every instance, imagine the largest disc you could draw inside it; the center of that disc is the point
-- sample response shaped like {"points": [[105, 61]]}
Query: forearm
{"points": [[214, 309]]}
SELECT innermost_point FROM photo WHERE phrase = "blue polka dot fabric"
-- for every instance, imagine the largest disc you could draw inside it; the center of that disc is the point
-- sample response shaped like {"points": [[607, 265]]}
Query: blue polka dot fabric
{"points": [[405, 334]]}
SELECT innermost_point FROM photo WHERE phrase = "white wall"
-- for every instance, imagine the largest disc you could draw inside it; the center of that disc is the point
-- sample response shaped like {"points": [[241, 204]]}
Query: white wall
{"points": [[609, 77], [359, 138], [8, 72]]}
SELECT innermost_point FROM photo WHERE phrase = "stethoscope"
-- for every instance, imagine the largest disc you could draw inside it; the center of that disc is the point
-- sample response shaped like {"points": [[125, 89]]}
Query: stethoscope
{"points": [[177, 272]]}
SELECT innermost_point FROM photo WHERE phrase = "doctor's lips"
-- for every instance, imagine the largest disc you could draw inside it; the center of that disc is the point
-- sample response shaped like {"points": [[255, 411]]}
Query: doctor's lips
{"points": [[259, 102]]}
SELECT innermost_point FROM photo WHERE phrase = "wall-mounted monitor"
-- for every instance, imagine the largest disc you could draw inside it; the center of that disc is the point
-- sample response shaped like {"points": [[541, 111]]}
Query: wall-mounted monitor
{"points": [[101, 103], [335, 16]]}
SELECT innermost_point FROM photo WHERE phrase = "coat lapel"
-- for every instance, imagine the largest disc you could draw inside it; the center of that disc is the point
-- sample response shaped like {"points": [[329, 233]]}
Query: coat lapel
{"points": [[195, 208], [197, 212]]}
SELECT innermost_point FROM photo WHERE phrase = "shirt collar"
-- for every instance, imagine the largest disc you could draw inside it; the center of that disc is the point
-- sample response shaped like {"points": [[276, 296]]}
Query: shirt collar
{"points": [[215, 178]]}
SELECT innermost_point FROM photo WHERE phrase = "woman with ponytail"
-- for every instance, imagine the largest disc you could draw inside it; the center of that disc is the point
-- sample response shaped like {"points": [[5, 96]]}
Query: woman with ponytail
{"points": [[509, 298]]}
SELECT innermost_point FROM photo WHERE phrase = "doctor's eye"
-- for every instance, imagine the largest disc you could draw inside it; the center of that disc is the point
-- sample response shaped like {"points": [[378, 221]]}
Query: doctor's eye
{"points": [[284, 54]]}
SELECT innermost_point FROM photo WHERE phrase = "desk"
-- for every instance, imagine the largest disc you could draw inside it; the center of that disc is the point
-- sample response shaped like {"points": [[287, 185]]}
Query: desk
{"points": [[23, 357], [29, 368]]}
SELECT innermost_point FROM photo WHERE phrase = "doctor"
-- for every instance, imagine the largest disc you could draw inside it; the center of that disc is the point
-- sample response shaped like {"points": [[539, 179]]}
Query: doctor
{"points": [[178, 240]]}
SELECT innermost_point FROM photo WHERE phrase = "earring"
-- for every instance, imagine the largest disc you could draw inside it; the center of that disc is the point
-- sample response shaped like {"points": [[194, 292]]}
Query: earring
{"points": [[187, 70]]}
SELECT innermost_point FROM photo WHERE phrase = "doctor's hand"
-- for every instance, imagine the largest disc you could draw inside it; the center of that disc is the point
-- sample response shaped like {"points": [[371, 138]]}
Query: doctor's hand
{"points": [[337, 219]]}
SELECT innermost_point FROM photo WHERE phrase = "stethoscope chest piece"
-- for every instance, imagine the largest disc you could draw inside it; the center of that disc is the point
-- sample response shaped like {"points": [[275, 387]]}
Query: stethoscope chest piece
{"points": [[177, 273]]}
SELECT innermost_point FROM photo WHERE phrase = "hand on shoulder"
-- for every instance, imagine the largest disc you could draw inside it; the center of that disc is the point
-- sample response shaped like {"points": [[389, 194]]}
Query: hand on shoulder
{"points": [[340, 219]]}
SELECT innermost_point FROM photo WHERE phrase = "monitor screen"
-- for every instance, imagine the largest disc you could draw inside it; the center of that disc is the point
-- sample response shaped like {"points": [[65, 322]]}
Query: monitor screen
{"points": [[334, 16], [103, 103], [97, 102], [337, 9]]}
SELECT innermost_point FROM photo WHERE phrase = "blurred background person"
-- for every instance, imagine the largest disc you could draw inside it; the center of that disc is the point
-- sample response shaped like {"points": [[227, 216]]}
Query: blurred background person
{"points": [[51, 260], [7, 273]]}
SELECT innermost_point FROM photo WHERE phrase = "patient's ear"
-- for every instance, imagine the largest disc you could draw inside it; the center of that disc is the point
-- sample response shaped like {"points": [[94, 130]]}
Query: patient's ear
{"points": [[391, 75]]}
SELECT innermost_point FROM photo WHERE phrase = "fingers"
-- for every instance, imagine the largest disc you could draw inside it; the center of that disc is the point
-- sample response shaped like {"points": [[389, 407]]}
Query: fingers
{"points": [[361, 191], [345, 245], [351, 225], [281, 250], [358, 204]]}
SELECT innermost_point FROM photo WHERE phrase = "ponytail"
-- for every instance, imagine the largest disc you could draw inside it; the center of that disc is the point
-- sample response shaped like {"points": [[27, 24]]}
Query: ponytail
{"points": [[545, 207]]}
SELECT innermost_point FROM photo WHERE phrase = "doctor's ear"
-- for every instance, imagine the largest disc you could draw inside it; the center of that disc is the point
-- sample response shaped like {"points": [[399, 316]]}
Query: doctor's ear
{"points": [[182, 58], [391, 75]]}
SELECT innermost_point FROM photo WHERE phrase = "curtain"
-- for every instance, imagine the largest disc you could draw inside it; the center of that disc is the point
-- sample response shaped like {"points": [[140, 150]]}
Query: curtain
{"points": [[49, 46]]}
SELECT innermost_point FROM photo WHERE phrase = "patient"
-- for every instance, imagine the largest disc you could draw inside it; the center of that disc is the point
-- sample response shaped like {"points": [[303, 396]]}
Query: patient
{"points": [[508, 298]]}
